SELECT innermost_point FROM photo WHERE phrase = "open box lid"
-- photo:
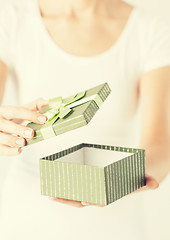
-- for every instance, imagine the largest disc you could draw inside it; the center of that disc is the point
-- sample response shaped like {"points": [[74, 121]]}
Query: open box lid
{"points": [[69, 113]]}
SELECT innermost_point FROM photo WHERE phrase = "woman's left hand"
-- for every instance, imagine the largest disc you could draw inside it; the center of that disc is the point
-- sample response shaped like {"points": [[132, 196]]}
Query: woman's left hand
{"points": [[73, 203], [151, 183]]}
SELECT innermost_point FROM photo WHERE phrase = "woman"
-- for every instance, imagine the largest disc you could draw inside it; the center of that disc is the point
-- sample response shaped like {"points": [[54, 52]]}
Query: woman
{"points": [[56, 48]]}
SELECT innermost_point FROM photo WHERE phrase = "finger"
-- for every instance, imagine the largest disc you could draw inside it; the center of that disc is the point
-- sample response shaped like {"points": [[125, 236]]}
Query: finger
{"points": [[13, 128], [11, 140], [151, 182], [37, 104], [9, 151], [68, 202], [9, 113], [91, 204]]}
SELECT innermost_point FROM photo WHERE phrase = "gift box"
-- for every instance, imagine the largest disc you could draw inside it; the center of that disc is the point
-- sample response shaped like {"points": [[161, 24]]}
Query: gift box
{"points": [[69, 113], [97, 174]]}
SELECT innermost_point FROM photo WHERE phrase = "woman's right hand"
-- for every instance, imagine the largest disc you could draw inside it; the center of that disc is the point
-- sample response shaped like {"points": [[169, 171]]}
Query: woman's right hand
{"points": [[12, 133]]}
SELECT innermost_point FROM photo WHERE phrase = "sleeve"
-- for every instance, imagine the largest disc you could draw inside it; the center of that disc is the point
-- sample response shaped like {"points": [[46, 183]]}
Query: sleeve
{"points": [[6, 25], [158, 51]]}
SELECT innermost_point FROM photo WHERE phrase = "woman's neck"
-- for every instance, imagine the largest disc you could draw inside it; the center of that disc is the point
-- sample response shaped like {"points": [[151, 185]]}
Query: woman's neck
{"points": [[77, 8]]}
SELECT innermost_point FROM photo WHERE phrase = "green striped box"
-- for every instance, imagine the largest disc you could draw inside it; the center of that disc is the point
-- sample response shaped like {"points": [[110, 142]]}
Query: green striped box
{"points": [[80, 115], [93, 173]]}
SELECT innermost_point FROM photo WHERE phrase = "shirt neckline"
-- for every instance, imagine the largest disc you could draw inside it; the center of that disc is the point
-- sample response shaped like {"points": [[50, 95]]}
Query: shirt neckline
{"points": [[72, 57]]}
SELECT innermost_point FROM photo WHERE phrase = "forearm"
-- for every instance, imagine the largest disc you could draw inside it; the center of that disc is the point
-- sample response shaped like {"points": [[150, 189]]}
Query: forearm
{"points": [[3, 77], [157, 160]]}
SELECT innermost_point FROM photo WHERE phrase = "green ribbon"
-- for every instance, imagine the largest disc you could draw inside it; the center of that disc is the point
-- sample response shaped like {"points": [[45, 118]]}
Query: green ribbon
{"points": [[59, 109]]}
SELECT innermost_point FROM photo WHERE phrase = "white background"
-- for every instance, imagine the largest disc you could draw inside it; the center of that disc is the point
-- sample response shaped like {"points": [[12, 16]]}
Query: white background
{"points": [[158, 7], [157, 203]]}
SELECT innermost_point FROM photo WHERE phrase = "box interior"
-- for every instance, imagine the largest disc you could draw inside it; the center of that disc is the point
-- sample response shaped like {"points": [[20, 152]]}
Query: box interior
{"points": [[94, 157]]}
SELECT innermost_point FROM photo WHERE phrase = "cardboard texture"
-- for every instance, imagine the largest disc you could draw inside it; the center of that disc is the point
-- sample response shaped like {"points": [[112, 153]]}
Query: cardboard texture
{"points": [[93, 173], [70, 113]]}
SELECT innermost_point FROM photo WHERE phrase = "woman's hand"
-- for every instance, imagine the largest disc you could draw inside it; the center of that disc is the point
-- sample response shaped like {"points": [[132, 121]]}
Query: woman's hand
{"points": [[151, 183], [12, 133], [73, 203]]}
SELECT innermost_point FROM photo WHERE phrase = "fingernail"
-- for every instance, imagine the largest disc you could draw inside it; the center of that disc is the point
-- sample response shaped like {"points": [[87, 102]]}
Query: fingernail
{"points": [[20, 141], [29, 133], [85, 203], [42, 119]]}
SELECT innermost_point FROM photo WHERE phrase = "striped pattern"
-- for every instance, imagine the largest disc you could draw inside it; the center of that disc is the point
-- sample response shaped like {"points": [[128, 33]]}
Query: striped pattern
{"points": [[89, 183], [89, 145], [104, 92], [124, 177], [73, 181], [90, 111]]}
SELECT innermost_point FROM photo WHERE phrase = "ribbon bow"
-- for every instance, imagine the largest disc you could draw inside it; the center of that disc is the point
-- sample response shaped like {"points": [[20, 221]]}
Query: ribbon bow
{"points": [[60, 109]]}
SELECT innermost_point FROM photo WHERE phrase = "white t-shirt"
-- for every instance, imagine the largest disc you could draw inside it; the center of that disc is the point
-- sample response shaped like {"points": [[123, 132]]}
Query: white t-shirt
{"points": [[39, 68]]}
